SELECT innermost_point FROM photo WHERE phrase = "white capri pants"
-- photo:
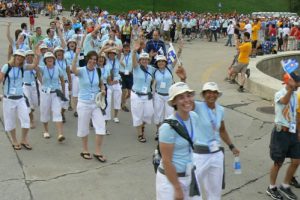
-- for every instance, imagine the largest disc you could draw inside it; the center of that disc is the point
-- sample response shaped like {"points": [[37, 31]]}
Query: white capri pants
{"points": [[50, 102], [75, 85], [209, 173], [87, 111], [65, 104], [141, 109], [31, 93], [165, 190], [114, 91], [12, 109], [162, 110]]}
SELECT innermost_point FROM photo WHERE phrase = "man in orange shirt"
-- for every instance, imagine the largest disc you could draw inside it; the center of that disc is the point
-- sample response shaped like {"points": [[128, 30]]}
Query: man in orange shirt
{"points": [[254, 36], [244, 50]]}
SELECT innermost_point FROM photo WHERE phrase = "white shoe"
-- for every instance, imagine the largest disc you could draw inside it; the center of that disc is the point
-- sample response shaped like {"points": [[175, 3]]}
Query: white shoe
{"points": [[108, 132], [116, 120]]}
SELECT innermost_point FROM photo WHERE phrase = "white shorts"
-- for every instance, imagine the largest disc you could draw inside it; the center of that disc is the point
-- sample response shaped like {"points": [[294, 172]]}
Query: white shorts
{"points": [[31, 94], [116, 93], [75, 85], [141, 109], [107, 115], [209, 173], [86, 112], [162, 110], [12, 109], [65, 104], [50, 102], [165, 190]]}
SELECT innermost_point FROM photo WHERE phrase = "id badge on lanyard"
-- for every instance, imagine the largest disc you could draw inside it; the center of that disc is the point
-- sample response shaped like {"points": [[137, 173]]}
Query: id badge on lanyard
{"points": [[292, 125]]}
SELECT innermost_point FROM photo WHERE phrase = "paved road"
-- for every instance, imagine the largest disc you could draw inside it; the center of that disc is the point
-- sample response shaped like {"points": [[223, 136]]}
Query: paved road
{"points": [[56, 171]]}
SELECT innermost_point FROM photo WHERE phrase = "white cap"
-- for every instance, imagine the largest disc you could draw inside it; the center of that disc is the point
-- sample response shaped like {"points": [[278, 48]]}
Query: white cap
{"points": [[144, 55], [58, 49], [29, 52], [212, 86], [72, 40], [48, 55], [100, 101], [160, 57], [43, 46], [19, 52], [177, 89]]}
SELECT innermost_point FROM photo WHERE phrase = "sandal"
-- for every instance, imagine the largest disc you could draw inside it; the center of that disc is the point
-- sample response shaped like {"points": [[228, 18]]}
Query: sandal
{"points": [[46, 135], [17, 147], [86, 155], [26, 146], [61, 138], [101, 158], [141, 139]]}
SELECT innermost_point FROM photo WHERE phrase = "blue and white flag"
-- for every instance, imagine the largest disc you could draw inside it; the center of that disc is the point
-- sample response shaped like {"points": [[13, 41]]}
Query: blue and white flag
{"points": [[289, 65], [171, 54], [160, 51]]}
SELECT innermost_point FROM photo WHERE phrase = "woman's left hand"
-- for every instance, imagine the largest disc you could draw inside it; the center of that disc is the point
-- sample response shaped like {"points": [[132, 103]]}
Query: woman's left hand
{"points": [[235, 151]]}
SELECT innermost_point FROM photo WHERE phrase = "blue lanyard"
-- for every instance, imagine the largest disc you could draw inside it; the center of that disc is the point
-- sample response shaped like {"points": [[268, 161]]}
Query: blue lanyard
{"points": [[146, 75], [51, 76], [184, 126], [155, 45], [88, 74], [16, 77], [71, 54], [212, 117], [126, 60], [102, 71], [61, 64], [51, 43], [163, 73], [292, 105], [21, 46]]}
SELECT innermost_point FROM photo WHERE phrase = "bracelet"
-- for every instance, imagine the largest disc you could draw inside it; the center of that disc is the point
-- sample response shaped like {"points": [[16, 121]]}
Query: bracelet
{"points": [[231, 146]]}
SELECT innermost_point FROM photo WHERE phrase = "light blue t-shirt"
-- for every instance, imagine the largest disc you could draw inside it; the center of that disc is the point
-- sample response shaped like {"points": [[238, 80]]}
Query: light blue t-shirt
{"points": [[88, 84], [41, 61], [284, 114], [127, 60], [104, 74], [14, 88], [206, 117], [114, 67], [142, 79], [22, 46], [182, 150], [163, 79], [50, 77], [69, 56], [62, 64], [87, 46], [68, 34], [29, 76], [52, 43]]}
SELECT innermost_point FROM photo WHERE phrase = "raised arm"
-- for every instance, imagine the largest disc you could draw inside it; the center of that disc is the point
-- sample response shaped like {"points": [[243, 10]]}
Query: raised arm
{"points": [[60, 35], [135, 49], [74, 67], [9, 38]]}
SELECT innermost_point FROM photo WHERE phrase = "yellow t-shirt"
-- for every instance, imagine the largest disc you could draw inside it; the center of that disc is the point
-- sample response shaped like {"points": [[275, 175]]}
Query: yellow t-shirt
{"points": [[255, 29], [242, 26], [245, 51]]}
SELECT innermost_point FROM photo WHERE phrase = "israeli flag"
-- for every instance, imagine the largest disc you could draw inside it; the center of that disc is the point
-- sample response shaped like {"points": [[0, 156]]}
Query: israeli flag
{"points": [[289, 65], [160, 51], [171, 54]]}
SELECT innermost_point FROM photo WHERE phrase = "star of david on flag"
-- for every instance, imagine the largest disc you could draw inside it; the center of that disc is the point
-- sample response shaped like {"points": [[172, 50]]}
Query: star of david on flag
{"points": [[289, 65], [171, 54]]}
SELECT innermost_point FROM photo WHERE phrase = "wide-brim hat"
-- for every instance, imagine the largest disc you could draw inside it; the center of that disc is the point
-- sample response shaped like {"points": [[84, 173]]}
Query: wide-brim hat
{"points": [[29, 52], [144, 55], [19, 52], [58, 49], [43, 46], [72, 40], [211, 86], [177, 89], [49, 55], [160, 58], [100, 101]]}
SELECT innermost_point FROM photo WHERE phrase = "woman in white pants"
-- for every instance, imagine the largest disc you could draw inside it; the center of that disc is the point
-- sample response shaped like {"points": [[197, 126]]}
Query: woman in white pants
{"points": [[208, 156], [30, 87], [52, 81], [14, 104], [61, 63], [141, 94], [89, 87], [114, 88], [173, 176]]}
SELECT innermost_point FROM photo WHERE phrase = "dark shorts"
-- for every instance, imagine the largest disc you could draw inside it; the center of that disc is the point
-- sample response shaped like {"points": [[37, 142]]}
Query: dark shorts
{"points": [[254, 43], [127, 81], [284, 145], [193, 29], [188, 31]]}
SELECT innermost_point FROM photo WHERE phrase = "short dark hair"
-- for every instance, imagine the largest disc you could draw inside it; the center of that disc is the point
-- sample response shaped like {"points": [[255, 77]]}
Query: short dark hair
{"points": [[246, 34], [90, 55], [23, 25]]}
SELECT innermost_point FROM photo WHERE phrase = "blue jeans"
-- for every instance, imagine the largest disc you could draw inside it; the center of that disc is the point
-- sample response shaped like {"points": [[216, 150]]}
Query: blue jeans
{"points": [[229, 40]]}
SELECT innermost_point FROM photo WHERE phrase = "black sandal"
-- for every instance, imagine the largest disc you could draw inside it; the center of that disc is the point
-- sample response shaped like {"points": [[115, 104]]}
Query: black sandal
{"points": [[141, 139], [17, 146], [86, 156], [26, 146], [101, 158]]}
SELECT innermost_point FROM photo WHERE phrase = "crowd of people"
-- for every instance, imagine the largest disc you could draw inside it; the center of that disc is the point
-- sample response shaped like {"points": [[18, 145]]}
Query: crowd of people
{"points": [[96, 65]]}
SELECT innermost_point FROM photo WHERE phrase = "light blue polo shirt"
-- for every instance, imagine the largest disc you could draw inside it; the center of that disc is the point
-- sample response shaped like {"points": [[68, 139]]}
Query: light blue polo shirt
{"points": [[22, 46], [62, 64], [283, 112], [206, 115], [68, 34], [115, 66], [50, 77], [163, 79], [127, 60], [69, 56], [16, 81], [142, 79], [182, 152], [87, 47], [104, 74], [29, 76], [88, 84], [41, 61], [52, 43]]}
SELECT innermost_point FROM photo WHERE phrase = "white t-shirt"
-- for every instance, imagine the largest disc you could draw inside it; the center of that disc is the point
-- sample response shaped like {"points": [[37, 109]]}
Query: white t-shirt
{"points": [[166, 24], [248, 28]]}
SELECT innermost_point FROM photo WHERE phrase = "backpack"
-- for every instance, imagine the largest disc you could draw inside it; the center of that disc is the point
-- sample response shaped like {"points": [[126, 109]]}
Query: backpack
{"points": [[6, 76]]}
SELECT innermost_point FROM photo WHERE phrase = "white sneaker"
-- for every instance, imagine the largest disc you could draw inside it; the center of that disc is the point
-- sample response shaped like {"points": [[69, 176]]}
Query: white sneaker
{"points": [[108, 132], [116, 120]]}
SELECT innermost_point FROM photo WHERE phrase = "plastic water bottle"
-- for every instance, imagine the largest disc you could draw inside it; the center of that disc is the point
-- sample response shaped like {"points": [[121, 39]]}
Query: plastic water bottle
{"points": [[156, 160], [237, 165]]}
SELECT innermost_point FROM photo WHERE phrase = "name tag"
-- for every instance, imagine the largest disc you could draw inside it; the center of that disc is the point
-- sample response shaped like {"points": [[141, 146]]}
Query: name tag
{"points": [[292, 128], [12, 90], [188, 170], [92, 96], [145, 90], [126, 72], [163, 85], [48, 91], [213, 146]]}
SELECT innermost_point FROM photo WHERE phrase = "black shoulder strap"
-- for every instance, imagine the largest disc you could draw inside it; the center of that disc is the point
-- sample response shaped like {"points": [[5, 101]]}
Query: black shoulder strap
{"points": [[99, 74], [168, 70], [179, 129]]}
